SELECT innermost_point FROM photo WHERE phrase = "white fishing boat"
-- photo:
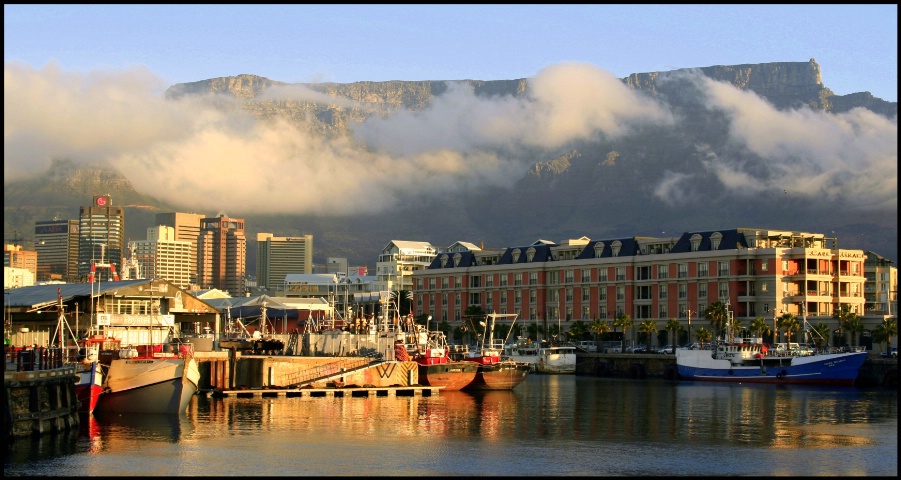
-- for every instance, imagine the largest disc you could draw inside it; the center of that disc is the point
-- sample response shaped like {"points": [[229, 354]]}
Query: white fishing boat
{"points": [[543, 357]]}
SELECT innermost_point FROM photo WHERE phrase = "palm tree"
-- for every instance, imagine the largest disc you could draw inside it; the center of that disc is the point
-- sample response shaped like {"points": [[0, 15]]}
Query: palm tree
{"points": [[599, 327], [888, 329], [734, 325], [703, 335], [648, 327], [789, 322], [853, 326], [841, 316], [674, 327], [577, 330], [717, 314], [533, 330], [821, 335], [626, 322], [759, 327], [620, 321]]}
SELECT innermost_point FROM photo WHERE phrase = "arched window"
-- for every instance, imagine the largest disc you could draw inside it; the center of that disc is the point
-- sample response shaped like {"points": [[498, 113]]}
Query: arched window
{"points": [[715, 240], [615, 247], [457, 258], [530, 254], [695, 242], [516, 254], [598, 249]]}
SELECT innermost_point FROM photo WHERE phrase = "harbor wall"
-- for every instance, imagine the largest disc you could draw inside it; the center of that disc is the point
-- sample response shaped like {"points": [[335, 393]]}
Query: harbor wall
{"points": [[38, 393]]}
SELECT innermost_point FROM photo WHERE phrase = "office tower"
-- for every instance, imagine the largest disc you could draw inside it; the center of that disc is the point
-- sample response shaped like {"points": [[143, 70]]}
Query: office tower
{"points": [[222, 254], [56, 242], [101, 237], [162, 256], [280, 256], [187, 228]]}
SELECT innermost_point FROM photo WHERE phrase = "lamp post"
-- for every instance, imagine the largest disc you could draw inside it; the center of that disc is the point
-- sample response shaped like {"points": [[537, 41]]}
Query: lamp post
{"points": [[689, 326]]}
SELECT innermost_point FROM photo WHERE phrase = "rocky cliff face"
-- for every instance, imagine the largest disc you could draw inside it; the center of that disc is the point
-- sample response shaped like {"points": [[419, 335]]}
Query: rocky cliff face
{"points": [[600, 188]]}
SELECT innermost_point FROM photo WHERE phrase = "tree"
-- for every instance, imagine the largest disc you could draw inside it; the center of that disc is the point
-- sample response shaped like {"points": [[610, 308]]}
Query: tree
{"points": [[621, 321], [578, 330], [734, 325], [759, 327], [789, 323], [627, 323], [599, 327], [717, 314], [445, 327], [821, 335], [648, 327], [887, 330], [841, 316], [703, 335], [533, 330], [853, 326], [673, 326]]}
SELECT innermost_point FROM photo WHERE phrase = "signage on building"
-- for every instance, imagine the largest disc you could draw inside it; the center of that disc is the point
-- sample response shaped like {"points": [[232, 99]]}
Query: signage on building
{"points": [[120, 320]]}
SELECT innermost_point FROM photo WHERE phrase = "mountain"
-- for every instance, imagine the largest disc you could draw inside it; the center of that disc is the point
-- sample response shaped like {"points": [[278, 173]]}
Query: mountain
{"points": [[652, 180]]}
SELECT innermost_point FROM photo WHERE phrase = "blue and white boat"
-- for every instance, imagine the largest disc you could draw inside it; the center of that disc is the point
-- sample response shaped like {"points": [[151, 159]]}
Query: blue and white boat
{"points": [[751, 361]]}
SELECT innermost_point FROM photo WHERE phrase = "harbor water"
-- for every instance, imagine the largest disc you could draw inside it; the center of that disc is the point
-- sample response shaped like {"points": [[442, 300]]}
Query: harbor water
{"points": [[549, 425]]}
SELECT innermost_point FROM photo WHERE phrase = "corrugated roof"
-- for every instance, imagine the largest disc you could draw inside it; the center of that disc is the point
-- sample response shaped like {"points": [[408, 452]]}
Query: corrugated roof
{"points": [[38, 295]]}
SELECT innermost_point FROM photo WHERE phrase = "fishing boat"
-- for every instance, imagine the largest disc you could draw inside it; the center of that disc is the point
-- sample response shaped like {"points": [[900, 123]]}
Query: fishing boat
{"points": [[89, 385], [544, 356], [749, 360], [495, 372], [435, 367], [150, 379]]}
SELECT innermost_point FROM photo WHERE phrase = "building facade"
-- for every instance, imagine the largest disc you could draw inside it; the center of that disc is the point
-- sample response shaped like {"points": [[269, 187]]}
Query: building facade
{"points": [[187, 228], [278, 257], [161, 256], [398, 262], [56, 242], [15, 256], [222, 254], [101, 236], [756, 273], [881, 289]]}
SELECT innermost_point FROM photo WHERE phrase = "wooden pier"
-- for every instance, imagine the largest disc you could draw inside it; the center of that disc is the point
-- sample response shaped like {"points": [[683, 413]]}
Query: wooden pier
{"points": [[330, 392]]}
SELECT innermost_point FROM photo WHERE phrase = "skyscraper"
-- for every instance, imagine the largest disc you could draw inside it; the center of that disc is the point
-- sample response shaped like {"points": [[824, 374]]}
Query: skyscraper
{"points": [[187, 228], [162, 256], [56, 242], [280, 256], [101, 236], [222, 254]]}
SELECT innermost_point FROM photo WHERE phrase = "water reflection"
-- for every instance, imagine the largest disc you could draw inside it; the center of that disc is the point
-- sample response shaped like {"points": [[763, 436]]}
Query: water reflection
{"points": [[553, 425]]}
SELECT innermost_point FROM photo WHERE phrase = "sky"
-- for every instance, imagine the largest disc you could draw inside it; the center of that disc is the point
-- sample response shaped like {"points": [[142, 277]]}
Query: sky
{"points": [[85, 83]]}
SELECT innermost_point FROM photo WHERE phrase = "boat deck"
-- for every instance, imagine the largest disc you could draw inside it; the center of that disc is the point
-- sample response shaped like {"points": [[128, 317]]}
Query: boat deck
{"points": [[400, 391]]}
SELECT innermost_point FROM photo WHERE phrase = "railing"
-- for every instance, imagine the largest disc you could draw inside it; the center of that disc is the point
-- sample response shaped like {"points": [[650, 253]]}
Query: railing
{"points": [[39, 358], [327, 370]]}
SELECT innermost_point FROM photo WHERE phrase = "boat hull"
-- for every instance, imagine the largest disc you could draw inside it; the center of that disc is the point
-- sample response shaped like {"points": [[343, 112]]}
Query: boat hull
{"points": [[89, 386], [450, 375], [499, 376], [149, 385], [557, 361], [840, 369]]}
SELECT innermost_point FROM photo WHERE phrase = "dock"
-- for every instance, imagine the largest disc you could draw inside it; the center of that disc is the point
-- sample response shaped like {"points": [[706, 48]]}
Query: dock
{"points": [[330, 392]]}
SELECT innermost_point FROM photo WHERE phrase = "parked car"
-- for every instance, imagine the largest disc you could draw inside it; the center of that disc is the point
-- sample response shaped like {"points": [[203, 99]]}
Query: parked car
{"points": [[665, 349], [692, 346], [893, 353], [637, 349], [588, 346]]}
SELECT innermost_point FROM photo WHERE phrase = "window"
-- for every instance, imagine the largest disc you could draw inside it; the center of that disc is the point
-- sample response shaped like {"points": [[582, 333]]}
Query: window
{"points": [[724, 291], [489, 299], [570, 276], [683, 291], [553, 277], [489, 280], [503, 297], [586, 313], [585, 275], [517, 279], [475, 281], [585, 295], [723, 269], [432, 300], [715, 240], [615, 247], [643, 292], [620, 273], [602, 311], [533, 278], [569, 313], [475, 299], [503, 279], [620, 293], [702, 269], [553, 295], [458, 282], [662, 271], [702, 290], [695, 242], [662, 311], [457, 299], [602, 274], [569, 294], [444, 282], [457, 258], [643, 273], [683, 270], [444, 300], [530, 254], [432, 283], [517, 297], [516, 254], [602, 294], [764, 286], [533, 297], [662, 291], [763, 265], [598, 249]]}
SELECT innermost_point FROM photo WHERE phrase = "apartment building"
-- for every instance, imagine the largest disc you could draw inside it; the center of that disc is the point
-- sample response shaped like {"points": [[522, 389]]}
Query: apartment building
{"points": [[756, 272]]}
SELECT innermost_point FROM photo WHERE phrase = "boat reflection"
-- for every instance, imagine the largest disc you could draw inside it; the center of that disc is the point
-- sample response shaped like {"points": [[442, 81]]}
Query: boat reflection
{"points": [[138, 427]]}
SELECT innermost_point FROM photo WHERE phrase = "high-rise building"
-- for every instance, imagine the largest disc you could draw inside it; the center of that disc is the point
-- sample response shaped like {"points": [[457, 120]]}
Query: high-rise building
{"points": [[162, 256], [222, 254], [279, 256], [101, 236], [881, 291], [56, 242], [187, 228]]}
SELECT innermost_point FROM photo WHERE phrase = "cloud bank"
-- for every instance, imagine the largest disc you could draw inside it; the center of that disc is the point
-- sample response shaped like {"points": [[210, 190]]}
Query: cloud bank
{"points": [[209, 154]]}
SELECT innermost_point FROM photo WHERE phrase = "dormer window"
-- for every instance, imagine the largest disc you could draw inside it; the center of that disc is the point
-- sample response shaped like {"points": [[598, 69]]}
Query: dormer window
{"points": [[443, 260], [457, 258], [615, 247], [598, 249], [695, 242], [530, 255], [715, 240], [516, 254]]}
